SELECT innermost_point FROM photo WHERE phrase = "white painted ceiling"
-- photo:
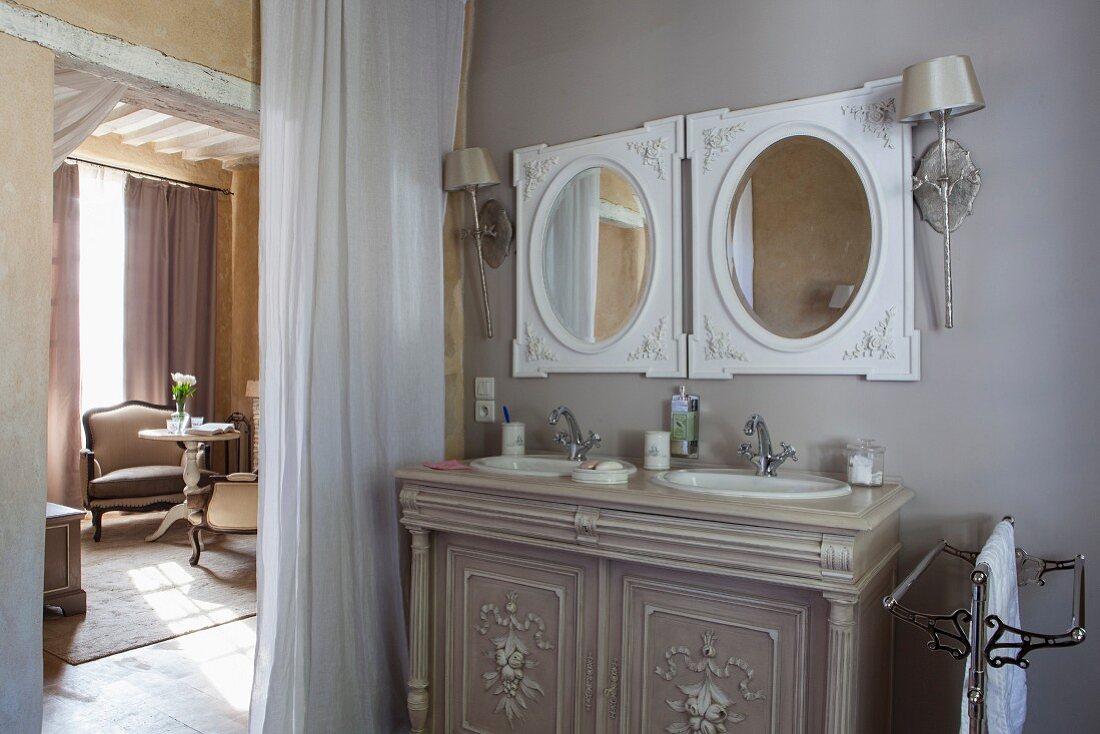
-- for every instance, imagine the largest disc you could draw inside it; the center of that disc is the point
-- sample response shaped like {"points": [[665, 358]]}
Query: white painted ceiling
{"points": [[194, 140]]}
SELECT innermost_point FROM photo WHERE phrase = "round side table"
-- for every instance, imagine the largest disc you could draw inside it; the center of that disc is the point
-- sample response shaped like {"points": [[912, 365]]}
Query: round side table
{"points": [[191, 475]]}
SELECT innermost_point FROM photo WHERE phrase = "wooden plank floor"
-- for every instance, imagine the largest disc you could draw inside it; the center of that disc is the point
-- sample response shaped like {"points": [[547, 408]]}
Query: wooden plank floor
{"points": [[194, 683]]}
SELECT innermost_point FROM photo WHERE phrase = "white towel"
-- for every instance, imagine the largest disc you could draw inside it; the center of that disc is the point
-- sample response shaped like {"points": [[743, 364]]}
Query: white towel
{"points": [[1006, 687]]}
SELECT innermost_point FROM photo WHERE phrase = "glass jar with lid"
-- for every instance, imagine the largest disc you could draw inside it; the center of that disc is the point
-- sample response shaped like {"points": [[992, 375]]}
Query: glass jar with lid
{"points": [[866, 460]]}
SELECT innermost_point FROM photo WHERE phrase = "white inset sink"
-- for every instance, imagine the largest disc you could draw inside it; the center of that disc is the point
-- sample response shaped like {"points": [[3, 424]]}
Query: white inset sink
{"points": [[745, 484], [525, 466]]}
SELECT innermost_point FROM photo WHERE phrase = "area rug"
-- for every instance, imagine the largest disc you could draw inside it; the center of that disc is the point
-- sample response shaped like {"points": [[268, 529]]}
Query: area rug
{"points": [[140, 593]]}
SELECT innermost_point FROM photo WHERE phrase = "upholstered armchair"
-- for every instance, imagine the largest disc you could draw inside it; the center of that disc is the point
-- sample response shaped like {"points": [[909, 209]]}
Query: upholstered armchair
{"points": [[229, 505], [121, 472]]}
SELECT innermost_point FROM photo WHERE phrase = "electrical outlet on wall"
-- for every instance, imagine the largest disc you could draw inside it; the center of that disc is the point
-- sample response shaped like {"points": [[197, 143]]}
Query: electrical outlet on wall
{"points": [[485, 411]]}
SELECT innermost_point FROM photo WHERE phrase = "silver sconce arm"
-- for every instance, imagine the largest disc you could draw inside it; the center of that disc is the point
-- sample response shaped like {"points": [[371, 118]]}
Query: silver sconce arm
{"points": [[946, 180], [477, 235], [492, 234]]}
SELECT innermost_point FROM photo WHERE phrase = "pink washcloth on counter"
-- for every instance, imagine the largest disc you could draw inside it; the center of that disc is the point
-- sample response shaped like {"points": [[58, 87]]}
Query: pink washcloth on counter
{"points": [[448, 465]]}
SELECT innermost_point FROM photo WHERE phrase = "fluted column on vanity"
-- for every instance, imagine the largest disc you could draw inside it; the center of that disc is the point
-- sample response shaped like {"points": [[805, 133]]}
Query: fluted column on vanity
{"points": [[841, 705], [419, 645]]}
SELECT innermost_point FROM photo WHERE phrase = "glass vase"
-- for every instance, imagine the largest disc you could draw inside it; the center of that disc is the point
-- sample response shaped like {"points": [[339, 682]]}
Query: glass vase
{"points": [[181, 416]]}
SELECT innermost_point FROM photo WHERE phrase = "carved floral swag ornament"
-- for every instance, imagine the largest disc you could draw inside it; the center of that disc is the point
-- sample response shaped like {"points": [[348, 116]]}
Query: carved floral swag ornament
{"points": [[877, 342], [511, 657], [705, 706]]}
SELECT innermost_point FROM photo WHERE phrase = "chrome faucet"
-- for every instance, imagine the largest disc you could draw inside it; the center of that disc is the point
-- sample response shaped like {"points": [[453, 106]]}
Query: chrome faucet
{"points": [[765, 462], [575, 444]]}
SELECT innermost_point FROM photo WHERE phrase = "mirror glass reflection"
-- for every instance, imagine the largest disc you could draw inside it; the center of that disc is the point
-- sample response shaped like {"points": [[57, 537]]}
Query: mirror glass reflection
{"points": [[799, 236], [596, 258]]}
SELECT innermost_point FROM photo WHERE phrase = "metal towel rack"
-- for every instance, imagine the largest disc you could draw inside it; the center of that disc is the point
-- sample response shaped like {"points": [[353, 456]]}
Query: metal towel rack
{"points": [[966, 632]]}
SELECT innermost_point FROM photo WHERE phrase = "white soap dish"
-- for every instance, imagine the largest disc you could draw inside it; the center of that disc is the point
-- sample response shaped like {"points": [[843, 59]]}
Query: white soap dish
{"points": [[606, 475]]}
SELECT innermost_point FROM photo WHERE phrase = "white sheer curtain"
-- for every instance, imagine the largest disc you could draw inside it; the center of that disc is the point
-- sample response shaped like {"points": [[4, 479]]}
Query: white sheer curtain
{"points": [[81, 102], [102, 267], [358, 105], [573, 254]]}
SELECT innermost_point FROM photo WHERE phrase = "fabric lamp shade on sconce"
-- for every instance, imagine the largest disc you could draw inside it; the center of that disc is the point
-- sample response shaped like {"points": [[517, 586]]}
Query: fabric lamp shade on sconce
{"points": [[947, 181], [468, 167], [946, 84], [468, 170]]}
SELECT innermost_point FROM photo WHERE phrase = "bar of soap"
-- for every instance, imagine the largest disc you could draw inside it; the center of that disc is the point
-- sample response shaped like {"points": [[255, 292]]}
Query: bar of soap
{"points": [[589, 464], [609, 466]]}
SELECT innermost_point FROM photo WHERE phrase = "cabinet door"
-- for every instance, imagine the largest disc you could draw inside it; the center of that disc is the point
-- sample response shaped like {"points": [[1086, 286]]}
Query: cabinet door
{"points": [[516, 638], [699, 655]]}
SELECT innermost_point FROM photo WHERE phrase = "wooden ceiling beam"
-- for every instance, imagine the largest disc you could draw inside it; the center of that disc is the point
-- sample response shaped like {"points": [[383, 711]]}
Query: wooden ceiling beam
{"points": [[130, 122], [155, 80], [121, 110], [240, 146], [241, 162], [168, 128], [208, 136]]}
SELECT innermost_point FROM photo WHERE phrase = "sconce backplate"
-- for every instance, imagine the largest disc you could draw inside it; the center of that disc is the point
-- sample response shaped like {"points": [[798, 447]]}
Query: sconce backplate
{"points": [[966, 178], [496, 238]]}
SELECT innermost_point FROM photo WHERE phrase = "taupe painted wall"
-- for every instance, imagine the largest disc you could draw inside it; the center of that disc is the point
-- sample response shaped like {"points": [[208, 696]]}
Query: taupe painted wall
{"points": [[26, 125], [1005, 419]]}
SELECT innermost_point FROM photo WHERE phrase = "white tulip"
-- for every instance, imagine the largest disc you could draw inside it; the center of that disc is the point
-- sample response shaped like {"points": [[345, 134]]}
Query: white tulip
{"points": [[179, 378]]}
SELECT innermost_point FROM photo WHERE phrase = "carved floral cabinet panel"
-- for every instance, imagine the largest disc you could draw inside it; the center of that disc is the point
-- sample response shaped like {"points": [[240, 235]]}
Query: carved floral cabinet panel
{"points": [[698, 651], [546, 642], [515, 638]]}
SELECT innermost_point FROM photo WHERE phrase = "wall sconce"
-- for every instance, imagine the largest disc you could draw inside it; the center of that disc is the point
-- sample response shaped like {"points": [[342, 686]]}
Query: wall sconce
{"points": [[947, 181], [470, 169]]}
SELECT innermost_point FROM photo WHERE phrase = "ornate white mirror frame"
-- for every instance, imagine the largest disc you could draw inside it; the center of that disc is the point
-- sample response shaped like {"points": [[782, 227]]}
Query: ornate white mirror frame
{"points": [[875, 336], [652, 342]]}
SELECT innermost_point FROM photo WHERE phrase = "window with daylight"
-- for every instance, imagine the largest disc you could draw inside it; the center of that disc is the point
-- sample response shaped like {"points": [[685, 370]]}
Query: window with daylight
{"points": [[102, 275]]}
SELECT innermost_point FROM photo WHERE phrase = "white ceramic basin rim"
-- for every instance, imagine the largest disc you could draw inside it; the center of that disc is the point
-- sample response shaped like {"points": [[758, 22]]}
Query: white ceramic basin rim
{"points": [[745, 484], [525, 466]]}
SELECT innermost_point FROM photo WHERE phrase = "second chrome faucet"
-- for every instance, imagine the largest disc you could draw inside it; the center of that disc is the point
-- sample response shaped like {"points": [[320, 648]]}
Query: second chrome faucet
{"points": [[763, 459]]}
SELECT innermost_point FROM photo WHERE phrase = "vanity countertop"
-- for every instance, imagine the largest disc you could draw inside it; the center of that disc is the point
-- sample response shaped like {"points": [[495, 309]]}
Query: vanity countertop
{"points": [[864, 509]]}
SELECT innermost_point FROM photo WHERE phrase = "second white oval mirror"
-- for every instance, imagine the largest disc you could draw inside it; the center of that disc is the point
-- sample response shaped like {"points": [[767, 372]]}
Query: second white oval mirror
{"points": [[799, 236]]}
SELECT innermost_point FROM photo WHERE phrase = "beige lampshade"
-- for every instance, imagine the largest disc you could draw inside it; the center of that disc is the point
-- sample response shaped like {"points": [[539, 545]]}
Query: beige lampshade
{"points": [[947, 83], [468, 167]]}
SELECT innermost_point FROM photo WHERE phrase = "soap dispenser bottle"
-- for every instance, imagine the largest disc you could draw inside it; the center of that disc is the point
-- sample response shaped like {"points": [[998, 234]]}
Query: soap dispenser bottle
{"points": [[684, 425]]}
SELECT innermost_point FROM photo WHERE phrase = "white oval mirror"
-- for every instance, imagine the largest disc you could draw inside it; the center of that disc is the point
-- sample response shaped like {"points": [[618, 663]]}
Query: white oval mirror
{"points": [[596, 255], [799, 236]]}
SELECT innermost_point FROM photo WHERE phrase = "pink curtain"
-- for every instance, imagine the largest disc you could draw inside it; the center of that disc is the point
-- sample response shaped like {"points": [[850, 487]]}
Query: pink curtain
{"points": [[63, 402], [171, 239]]}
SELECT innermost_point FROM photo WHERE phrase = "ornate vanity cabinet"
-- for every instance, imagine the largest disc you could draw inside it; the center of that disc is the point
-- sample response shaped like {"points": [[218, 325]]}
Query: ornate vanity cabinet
{"points": [[547, 606]]}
